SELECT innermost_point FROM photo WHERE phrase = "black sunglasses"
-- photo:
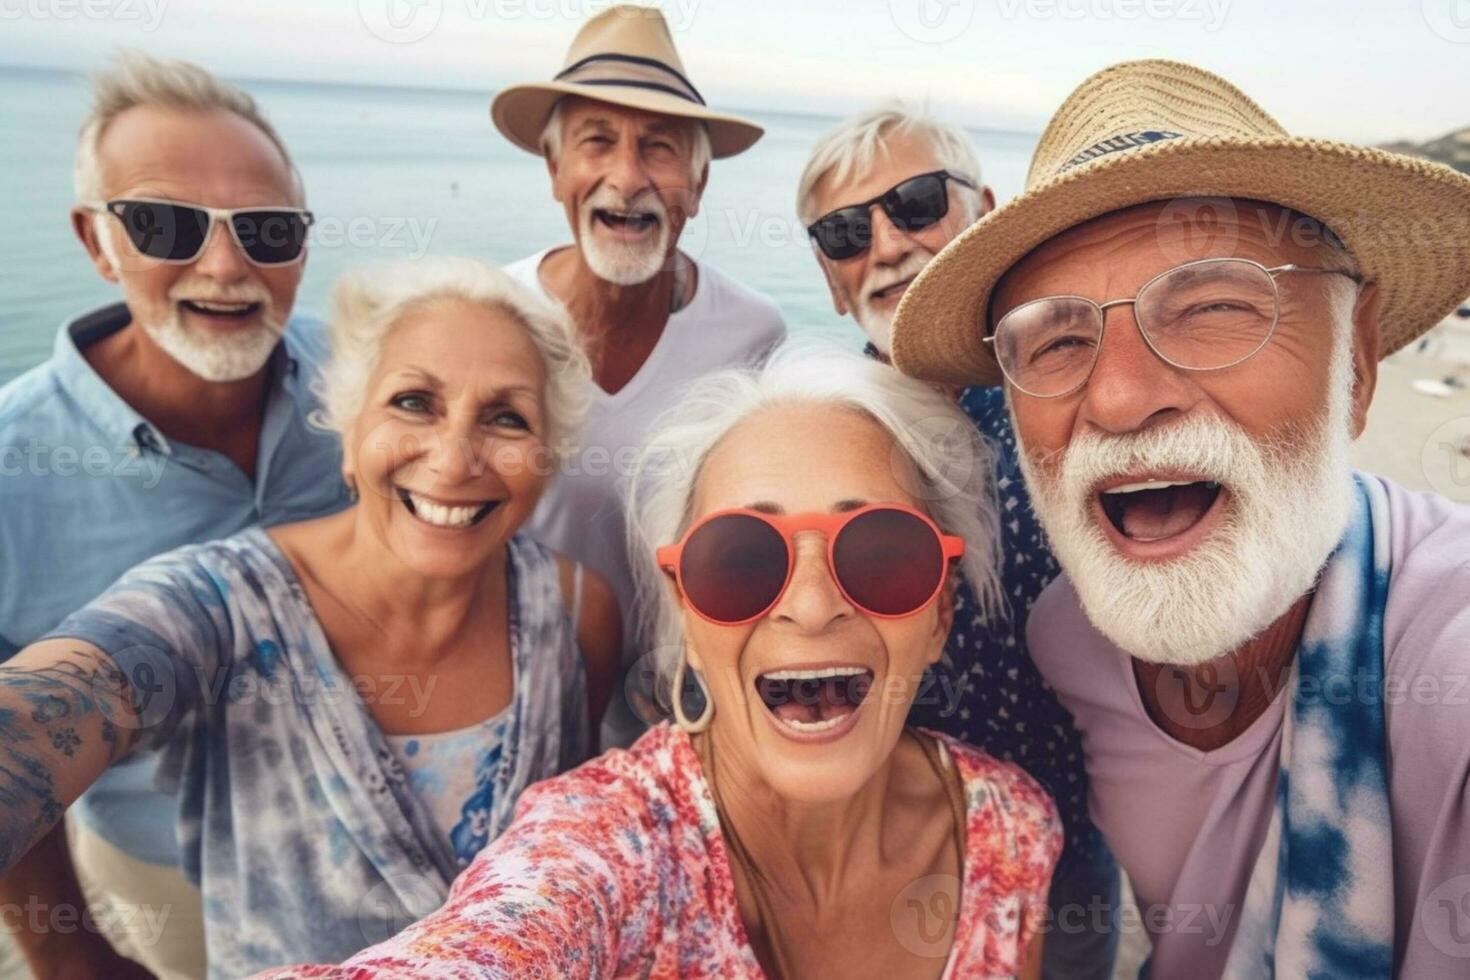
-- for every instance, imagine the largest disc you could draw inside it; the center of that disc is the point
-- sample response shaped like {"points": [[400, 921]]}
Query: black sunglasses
{"points": [[911, 205], [177, 233]]}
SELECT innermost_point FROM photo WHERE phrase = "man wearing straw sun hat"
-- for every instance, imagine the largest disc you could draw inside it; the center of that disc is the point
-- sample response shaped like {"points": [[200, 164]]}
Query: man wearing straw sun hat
{"points": [[1265, 650], [627, 139]]}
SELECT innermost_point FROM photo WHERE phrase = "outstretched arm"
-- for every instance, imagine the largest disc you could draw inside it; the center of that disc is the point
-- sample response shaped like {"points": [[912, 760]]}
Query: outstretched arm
{"points": [[580, 886], [67, 712]]}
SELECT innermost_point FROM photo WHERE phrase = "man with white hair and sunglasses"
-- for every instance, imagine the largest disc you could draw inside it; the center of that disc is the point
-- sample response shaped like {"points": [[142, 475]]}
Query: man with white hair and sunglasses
{"points": [[881, 195], [627, 141], [1265, 650], [176, 416]]}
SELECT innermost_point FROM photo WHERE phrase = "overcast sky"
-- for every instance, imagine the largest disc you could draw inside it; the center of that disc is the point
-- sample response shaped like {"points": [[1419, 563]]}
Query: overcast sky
{"points": [[1363, 70]]}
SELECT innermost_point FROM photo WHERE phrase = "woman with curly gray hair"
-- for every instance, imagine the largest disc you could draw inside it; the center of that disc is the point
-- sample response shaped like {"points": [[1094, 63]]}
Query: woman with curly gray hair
{"points": [[799, 528], [350, 706]]}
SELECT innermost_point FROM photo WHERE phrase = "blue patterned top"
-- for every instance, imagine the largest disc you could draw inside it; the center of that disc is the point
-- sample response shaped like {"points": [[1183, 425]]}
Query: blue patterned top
{"points": [[454, 773], [986, 690], [295, 817]]}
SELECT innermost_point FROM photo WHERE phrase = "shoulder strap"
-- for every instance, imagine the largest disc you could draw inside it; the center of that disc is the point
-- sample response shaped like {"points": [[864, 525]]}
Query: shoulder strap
{"points": [[949, 774]]}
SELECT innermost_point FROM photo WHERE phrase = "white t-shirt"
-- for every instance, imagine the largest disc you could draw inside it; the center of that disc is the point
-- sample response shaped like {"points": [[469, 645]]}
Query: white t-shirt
{"points": [[581, 515]]}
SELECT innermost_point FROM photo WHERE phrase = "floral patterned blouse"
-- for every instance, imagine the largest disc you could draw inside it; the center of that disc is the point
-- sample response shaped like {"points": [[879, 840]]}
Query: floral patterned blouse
{"points": [[618, 869]]}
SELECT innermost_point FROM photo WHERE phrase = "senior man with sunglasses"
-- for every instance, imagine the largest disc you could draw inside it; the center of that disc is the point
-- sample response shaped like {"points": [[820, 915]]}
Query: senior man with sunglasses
{"points": [[176, 416], [1264, 650], [881, 195]]}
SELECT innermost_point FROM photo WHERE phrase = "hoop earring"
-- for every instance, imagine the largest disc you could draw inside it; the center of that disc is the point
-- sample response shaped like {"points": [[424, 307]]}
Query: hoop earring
{"points": [[706, 716]]}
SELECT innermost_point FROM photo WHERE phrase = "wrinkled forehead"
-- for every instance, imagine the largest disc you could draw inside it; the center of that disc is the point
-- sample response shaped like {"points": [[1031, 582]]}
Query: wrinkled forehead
{"points": [[1122, 250], [581, 113], [802, 458], [453, 344], [213, 157]]}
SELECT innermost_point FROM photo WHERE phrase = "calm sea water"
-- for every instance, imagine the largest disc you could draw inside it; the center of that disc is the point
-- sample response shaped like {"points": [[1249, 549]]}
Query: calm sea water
{"points": [[396, 173]]}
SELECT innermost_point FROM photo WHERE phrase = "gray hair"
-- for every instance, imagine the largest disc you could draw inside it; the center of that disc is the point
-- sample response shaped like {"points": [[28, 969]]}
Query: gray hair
{"points": [[369, 303], [854, 145], [955, 466], [699, 154], [138, 79]]}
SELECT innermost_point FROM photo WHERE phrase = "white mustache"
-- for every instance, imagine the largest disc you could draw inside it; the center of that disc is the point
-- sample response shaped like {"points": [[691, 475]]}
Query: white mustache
{"points": [[1204, 447], [880, 279], [607, 199], [208, 291]]}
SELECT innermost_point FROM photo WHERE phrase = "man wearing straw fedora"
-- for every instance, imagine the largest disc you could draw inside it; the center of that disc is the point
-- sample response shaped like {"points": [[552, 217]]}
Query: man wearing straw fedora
{"points": [[1265, 650], [627, 141]]}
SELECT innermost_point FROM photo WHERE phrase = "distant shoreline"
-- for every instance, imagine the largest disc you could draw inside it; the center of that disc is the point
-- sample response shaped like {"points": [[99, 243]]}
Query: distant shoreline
{"points": [[485, 91]]}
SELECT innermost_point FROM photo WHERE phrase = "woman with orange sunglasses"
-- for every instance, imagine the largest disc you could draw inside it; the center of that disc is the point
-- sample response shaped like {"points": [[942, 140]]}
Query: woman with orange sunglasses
{"points": [[801, 528]]}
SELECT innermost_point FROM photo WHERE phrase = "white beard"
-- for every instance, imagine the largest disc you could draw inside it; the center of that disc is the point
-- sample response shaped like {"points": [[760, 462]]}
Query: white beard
{"points": [[1290, 501], [878, 324], [621, 263], [229, 357]]}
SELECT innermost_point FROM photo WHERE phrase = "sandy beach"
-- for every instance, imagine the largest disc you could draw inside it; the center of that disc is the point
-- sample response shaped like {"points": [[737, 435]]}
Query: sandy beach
{"points": [[1417, 440]]}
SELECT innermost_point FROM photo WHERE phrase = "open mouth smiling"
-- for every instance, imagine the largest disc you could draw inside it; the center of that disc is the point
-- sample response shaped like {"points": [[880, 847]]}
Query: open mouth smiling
{"points": [[1159, 516], [443, 515], [234, 311], [635, 222], [814, 702]]}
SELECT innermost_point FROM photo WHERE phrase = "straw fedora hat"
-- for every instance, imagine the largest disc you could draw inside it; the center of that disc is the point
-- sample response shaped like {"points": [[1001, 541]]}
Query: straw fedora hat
{"points": [[1147, 131], [624, 56]]}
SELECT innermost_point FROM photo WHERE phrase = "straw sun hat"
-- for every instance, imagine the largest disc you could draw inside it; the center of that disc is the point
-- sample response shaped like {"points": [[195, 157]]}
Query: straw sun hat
{"points": [[1147, 131], [623, 56]]}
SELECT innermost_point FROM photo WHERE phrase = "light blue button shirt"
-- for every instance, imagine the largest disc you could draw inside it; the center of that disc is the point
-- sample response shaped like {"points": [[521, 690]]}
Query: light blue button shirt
{"points": [[89, 488]]}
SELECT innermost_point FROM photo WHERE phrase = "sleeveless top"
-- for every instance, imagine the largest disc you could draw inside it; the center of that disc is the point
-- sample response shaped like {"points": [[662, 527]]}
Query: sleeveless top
{"points": [[455, 772]]}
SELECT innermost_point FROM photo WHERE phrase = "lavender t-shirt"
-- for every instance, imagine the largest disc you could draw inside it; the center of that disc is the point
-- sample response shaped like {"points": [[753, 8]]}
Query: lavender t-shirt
{"points": [[1187, 825]]}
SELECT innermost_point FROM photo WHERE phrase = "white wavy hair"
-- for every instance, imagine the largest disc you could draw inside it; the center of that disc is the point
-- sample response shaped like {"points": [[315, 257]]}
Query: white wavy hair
{"points": [[955, 464], [139, 79], [854, 144], [368, 303]]}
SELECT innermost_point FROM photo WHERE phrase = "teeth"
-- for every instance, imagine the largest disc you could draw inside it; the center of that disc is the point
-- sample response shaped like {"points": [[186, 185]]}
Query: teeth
{"points": [[634, 217], [815, 726], [441, 515], [809, 675], [220, 307], [1151, 485]]}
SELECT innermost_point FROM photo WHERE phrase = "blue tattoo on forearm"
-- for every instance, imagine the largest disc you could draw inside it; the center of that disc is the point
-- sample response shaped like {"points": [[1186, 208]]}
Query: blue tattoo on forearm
{"points": [[45, 715]]}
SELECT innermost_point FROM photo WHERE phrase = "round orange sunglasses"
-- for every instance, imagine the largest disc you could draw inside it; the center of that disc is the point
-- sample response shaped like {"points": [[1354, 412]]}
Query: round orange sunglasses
{"points": [[733, 566]]}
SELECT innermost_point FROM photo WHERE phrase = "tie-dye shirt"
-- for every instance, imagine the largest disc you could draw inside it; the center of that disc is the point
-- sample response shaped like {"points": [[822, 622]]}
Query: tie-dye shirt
{"points": [[618, 869], [305, 835]]}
